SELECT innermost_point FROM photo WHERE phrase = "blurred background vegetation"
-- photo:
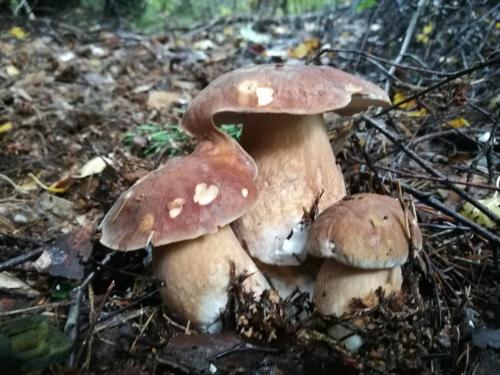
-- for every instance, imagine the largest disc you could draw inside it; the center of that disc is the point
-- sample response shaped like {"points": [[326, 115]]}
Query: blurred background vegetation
{"points": [[150, 15]]}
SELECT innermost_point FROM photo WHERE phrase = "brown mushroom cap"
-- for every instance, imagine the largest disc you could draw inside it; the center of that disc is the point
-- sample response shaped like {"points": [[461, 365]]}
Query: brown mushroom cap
{"points": [[291, 89], [364, 230], [186, 198]]}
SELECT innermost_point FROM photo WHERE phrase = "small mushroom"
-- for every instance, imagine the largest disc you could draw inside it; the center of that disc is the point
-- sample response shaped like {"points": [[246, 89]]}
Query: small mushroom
{"points": [[365, 239], [280, 107], [182, 209]]}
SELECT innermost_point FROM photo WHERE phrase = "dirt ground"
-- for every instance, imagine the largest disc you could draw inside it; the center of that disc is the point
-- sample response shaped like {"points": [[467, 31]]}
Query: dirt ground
{"points": [[85, 111]]}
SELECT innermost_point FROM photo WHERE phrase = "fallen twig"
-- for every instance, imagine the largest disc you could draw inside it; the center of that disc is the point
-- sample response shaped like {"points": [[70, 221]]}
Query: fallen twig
{"points": [[72, 323], [25, 310], [406, 41], [488, 62], [372, 123], [435, 203], [21, 258]]}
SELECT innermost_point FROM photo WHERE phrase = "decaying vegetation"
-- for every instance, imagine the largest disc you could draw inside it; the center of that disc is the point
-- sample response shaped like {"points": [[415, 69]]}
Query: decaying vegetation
{"points": [[86, 110]]}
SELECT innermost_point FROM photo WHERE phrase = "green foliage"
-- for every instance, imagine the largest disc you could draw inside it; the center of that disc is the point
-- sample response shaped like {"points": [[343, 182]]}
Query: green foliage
{"points": [[151, 16], [365, 4], [62, 290], [30, 343], [151, 139]]}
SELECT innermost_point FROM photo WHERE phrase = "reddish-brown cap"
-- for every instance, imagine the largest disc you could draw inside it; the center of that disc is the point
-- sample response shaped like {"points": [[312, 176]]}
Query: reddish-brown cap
{"points": [[187, 197], [291, 89], [367, 231]]}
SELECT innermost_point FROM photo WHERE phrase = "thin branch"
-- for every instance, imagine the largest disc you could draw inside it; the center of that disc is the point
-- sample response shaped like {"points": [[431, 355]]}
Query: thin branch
{"points": [[371, 57], [445, 180], [425, 165], [21, 258], [435, 203], [489, 62], [408, 36]]}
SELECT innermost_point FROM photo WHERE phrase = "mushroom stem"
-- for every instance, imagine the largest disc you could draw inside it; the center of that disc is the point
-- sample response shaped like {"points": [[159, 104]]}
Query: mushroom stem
{"points": [[338, 284], [296, 166], [196, 276], [288, 279]]}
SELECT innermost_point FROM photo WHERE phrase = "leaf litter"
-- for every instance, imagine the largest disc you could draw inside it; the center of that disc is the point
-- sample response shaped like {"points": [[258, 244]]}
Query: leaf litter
{"points": [[84, 115]]}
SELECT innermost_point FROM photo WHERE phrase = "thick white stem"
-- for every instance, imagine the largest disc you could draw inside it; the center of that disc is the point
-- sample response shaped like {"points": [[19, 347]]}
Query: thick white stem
{"points": [[196, 276], [296, 166], [337, 285]]}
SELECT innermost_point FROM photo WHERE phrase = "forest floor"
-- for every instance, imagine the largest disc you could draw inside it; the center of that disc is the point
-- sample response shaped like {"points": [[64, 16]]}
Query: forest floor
{"points": [[86, 111]]}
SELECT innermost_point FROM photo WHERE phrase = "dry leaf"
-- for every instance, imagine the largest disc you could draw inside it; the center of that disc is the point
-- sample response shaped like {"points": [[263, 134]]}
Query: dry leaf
{"points": [[423, 37], [94, 166], [11, 284], [12, 71], [399, 97], [162, 99], [17, 32], [473, 213], [4, 128], [305, 48], [418, 113], [458, 123], [64, 258]]}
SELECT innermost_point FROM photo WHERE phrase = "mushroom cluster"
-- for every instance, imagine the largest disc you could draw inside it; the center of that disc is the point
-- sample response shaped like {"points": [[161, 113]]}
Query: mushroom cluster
{"points": [[248, 204]]}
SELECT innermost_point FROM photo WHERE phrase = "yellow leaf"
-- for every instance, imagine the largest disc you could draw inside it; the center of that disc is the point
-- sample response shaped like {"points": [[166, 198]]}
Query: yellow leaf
{"points": [[471, 212], [399, 97], [422, 38], [4, 128], [427, 28], [458, 123], [17, 32], [418, 113], [304, 48], [11, 71], [53, 188], [497, 25]]}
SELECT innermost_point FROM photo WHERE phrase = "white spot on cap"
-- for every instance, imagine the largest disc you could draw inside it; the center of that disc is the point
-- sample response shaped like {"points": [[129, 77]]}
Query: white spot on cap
{"points": [[175, 207], [244, 192], [204, 194], [264, 95]]}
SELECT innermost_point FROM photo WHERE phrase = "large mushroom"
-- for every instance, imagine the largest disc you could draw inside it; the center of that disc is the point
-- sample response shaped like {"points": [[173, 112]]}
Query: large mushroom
{"points": [[178, 209], [365, 239], [280, 107]]}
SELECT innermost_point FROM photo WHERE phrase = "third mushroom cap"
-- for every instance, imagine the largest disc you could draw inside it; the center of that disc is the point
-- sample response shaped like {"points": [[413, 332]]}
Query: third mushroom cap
{"points": [[280, 107]]}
